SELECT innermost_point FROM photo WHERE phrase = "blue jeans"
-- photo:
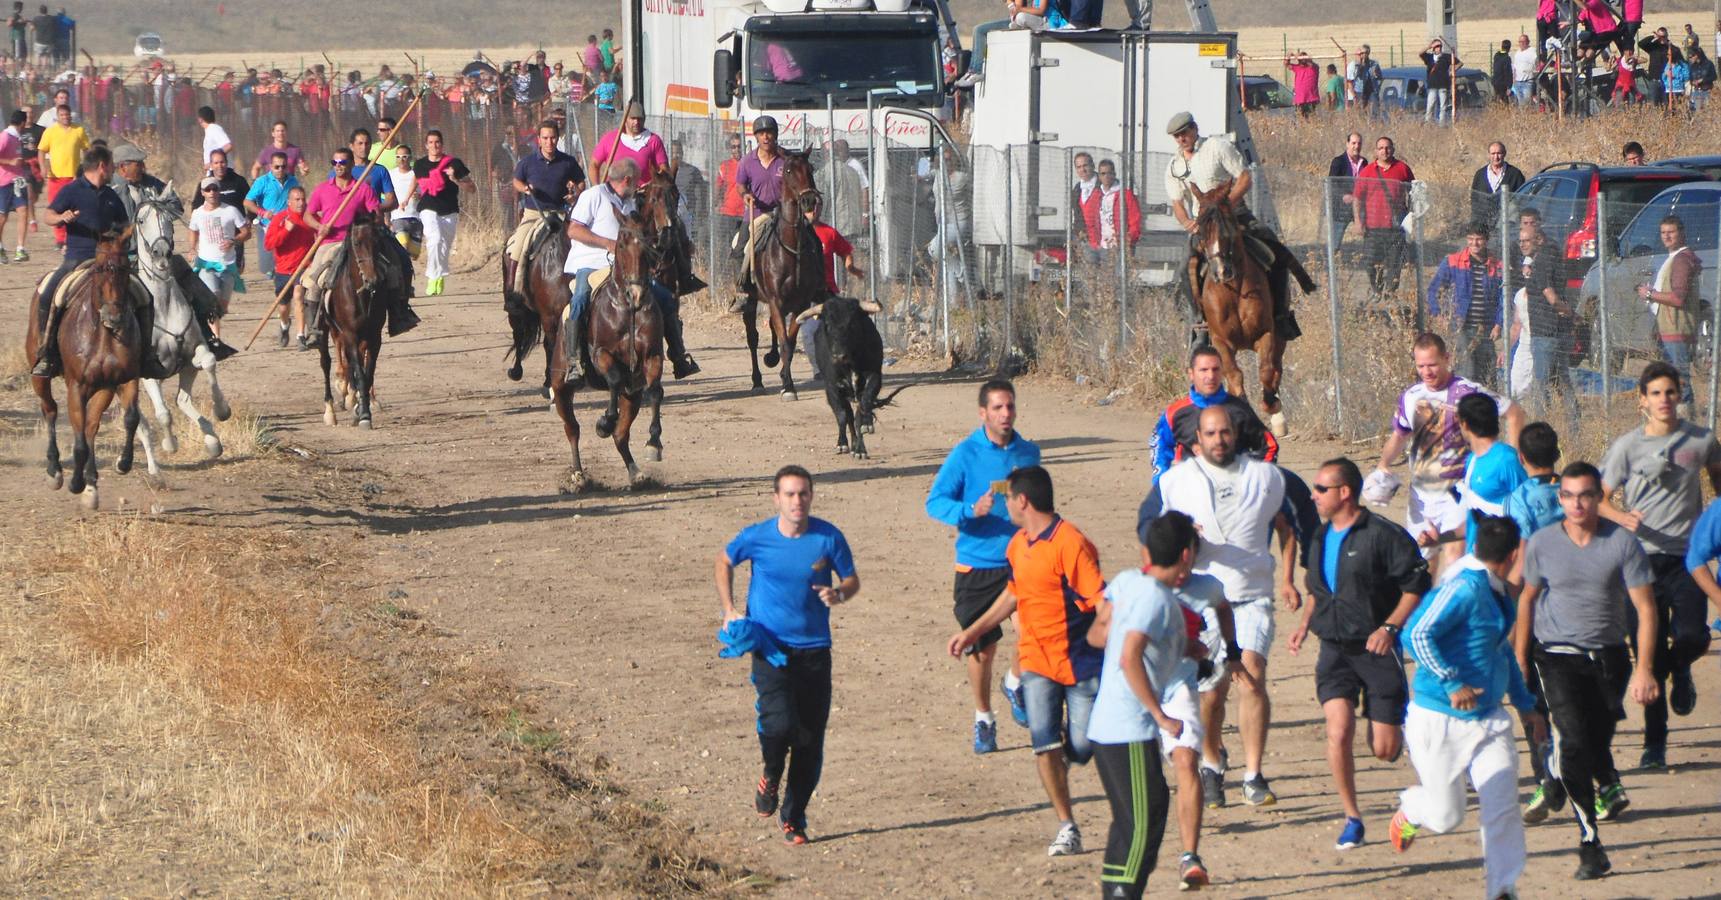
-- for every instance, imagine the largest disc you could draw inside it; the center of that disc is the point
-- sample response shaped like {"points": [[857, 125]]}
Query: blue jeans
{"points": [[1678, 354], [265, 259], [1549, 370], [977, 54], [1522, 91], [1056, 710], [1438, 99], [668, 304]]}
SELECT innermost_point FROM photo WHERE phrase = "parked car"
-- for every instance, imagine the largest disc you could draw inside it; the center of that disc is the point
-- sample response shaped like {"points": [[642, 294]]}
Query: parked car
{"points": [[1708, 165], [1264, 92], [1402, 87], [1636, 256], [1565, 194], [148, 46]]}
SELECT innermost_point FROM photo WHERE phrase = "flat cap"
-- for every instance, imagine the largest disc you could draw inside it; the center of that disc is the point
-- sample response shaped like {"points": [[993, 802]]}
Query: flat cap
{"points": [[125, 153], [1179, 122]]}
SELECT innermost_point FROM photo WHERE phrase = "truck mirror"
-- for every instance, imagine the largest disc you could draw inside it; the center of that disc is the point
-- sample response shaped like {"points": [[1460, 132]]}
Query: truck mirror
{"points": [[723, 78]]}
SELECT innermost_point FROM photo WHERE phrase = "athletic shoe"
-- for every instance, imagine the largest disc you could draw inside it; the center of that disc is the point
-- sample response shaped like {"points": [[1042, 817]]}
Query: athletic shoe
{"points": [[1256, 792], [1548, 798], [1067, 843], [1592, 862], [1018, 706], [1510, 893], [1350, 838], [1653, 758], [1611, 801], [1682, 693], [1402, 832], [795, 836], [1213, 788], [285, 330], [765, 797], [969, 79], [1191, 873], [22, 255], [985, 737]]}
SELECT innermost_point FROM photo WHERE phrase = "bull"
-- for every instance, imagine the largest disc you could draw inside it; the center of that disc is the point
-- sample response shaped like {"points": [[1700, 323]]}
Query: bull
{"points": [[849, 355]]}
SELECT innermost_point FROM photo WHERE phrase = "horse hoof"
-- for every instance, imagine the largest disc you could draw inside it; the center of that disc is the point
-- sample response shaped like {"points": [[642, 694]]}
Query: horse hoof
{"points": [[771, 358], [223, 413], [654, 454], [90, 500], [56, 481], [605, 426], [1277, 423], [169, 443], [122, 466], [328, 414], [790, 396], [546, 393], [516, 373], [363, 424], [576, 482], [212, 446]]}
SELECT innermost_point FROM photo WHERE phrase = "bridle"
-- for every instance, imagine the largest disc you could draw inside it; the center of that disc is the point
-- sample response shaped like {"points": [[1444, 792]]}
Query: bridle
{"points": [[1216, 216], [160, 247]]}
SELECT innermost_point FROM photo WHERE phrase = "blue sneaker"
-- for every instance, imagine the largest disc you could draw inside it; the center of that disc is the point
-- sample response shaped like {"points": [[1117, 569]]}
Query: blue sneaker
{"points": [[1018, 706], [985, 737], [1351, 837]]}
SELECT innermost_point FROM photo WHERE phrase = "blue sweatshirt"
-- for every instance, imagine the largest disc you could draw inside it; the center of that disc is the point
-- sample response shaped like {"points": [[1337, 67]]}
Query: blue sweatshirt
{"points": [[1705, 545], [1535, 504], [973, 468], [1461, 635]]}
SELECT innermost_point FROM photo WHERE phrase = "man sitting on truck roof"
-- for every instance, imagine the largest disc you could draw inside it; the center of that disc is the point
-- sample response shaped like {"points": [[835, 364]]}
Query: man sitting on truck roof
{"points": [[1201, 164]]}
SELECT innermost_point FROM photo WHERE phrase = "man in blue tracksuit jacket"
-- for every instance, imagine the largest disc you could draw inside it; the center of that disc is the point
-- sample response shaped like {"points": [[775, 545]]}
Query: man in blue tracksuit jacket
{"points": [[1174, 435], [969, 493], [1460, 636]]}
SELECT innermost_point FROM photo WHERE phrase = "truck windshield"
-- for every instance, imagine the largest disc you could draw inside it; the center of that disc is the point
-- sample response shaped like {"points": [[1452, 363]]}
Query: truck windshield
{"points": [[797, 69]]}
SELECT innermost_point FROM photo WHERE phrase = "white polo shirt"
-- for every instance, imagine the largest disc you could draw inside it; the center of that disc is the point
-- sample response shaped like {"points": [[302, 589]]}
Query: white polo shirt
{"points": [[600, 209], [1215, 162]]}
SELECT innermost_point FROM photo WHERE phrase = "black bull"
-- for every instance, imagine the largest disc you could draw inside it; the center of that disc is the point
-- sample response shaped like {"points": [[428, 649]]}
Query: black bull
{"points": [[850, 356]]}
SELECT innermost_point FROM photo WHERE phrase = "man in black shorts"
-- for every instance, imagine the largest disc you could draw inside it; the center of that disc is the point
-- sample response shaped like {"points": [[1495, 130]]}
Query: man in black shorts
{"points": [[1365, 578], [969, 494]]}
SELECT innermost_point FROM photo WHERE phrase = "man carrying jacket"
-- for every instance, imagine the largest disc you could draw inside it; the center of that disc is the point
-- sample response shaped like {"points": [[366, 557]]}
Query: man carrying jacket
{"points": [[1175, 436], [1365, 577]]}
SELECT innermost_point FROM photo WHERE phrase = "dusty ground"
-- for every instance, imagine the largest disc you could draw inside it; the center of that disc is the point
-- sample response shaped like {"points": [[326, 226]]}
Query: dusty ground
{"points": [[604, 604]]}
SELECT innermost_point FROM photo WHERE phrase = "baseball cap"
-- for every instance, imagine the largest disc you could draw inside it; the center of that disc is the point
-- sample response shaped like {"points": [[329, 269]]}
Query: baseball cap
{"points": [[208, 183]]}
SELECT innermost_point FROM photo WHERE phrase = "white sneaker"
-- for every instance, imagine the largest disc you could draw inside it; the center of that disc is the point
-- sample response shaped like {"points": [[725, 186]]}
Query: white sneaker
{"points": [[970, 79], [1067, 843]]}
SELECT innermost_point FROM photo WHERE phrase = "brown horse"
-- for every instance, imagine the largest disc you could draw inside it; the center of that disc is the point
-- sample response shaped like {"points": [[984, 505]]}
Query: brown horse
{"points": [[355, 316], [1236, 300], [788, 272], [535, 307], [627, 356], [101, 349]]}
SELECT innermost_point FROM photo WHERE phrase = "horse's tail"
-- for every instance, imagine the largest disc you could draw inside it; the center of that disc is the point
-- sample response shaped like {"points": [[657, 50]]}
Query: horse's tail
{"points": [[523, 320]]}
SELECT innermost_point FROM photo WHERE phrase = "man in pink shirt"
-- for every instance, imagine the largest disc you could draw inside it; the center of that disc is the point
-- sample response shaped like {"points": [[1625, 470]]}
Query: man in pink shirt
{"points": [[592, 57], [14, 179], [1305, 93], [324, 211]]}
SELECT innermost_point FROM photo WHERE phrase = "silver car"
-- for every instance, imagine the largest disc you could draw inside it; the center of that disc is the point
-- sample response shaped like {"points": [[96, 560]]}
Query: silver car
{"points": [[1636, 258]]}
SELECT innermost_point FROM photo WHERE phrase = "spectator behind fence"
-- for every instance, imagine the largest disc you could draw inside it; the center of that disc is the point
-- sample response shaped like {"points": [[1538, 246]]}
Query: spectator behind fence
{"points": [[1496, 178], [1501, 76], [46, 29], [1655, 48], [1474, 317], [1551, 318], [1523, 71], [1305, 94], [1346, 166], [18, 29], [1365, 76], [1673, 300], [1674, 80], [1333, 91], [1439, 65], [1625, 89], [1379, 202], [1632, 154], [1111, 212], [1702, 77]]}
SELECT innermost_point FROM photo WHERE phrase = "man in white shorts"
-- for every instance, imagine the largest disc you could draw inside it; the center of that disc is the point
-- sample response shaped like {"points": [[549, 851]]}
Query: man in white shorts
{"points": [[1236, 503], [1425, 422]]}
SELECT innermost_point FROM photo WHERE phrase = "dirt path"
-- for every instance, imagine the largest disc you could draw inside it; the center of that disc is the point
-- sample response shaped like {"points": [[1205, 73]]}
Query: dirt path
{"points": [[604, 604]]}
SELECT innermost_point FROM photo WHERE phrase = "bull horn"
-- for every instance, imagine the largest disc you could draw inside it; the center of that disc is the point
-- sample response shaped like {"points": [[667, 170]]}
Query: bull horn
{"points": [[811, 312], [871, 307]]}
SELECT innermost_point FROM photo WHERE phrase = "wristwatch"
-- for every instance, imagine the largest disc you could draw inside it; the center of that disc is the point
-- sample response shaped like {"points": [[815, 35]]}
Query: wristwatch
{"points": [[1391, 629]]}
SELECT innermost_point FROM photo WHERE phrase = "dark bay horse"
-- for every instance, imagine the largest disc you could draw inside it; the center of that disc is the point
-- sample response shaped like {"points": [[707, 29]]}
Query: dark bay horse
{"points": [[788, 272], [1236, 300], [101, 350], [353, 325], [627, 356], [535, 308]]}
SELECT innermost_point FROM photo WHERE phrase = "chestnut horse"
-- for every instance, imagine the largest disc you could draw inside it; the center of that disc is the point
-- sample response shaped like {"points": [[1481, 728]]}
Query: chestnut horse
{"points": [[101, 350], [355, 316], [1236, 300], [627, 355], [788, 272], [535, 307]]}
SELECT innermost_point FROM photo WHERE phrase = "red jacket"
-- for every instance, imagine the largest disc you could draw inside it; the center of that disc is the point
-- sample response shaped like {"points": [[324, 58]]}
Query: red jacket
{"points": [[289, 246], [1132, 215]]}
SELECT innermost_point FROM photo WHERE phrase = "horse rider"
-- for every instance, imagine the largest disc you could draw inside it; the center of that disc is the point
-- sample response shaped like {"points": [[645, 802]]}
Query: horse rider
{"points": [[546, 181], [634, 141], [401, 318], [135, 185], [89, 210], [1201, 164], [594, 225], [760, 179]]}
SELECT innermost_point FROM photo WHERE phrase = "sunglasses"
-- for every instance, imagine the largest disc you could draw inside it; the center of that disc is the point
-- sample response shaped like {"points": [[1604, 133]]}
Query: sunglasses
{"points": [[211, 190], [278, 168], [1323, 488], [341, 162]]}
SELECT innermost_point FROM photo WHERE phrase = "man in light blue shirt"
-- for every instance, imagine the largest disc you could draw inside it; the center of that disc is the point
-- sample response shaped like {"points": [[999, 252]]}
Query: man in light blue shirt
{"points": [[268, 196]]}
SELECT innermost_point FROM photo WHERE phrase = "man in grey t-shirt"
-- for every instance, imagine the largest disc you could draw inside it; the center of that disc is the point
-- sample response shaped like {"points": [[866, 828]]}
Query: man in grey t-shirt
{"points": [[1578, 574], [1658, 471]]}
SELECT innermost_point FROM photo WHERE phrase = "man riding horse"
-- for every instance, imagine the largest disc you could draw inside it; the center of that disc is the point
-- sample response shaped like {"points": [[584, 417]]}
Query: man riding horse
{"points": [[136, 186], [760, 180], [544, 180], [594, 226], [1200, 165], [634, 141]]}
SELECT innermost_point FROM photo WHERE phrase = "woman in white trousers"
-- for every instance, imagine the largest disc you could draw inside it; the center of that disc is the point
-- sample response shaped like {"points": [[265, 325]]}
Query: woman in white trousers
{"points": [[438, 180]]}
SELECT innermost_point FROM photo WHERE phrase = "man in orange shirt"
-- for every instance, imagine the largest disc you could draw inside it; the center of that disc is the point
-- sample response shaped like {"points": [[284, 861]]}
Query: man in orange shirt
{"points": [[1054, 589]]}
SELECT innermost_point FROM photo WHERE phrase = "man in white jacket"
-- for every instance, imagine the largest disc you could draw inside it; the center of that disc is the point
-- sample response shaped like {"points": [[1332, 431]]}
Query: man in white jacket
{"points": [[1236, 502]]}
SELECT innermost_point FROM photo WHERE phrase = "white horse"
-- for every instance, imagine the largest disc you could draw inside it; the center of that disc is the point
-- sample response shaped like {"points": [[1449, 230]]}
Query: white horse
{"points": [[176, 342]]}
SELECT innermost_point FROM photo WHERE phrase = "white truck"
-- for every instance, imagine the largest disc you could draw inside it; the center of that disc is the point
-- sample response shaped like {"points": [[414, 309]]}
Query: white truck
{"points": [[1047, 96]]}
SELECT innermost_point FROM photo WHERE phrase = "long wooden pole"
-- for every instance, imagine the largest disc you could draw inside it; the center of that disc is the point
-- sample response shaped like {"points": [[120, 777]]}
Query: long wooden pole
{"points": [[323, 230]]}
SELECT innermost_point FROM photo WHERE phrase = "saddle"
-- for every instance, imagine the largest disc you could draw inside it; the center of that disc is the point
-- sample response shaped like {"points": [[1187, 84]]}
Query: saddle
{"points": [[596, 279], [549, 223], [139, 291]]}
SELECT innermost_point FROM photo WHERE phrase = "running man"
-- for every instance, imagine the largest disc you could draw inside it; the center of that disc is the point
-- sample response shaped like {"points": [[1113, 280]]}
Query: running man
{"points": [[965, 496], [802, 567], [1492, 472], [1365, 578], [1143, 632], [1572, 637], [1174, 435], [1534, 505], [1236, 501], [1658, 470], [1457, 725], [1055, 584], [1425, 422]]}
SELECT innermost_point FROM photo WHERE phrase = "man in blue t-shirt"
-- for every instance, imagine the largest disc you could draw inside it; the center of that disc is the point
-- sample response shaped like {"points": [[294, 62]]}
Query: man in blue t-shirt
{"points": [[801, 568], [1492, 472]]}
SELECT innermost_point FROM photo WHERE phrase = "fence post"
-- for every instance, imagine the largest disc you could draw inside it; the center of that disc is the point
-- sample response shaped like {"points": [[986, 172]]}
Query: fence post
{"points": [[876, 195], [941, 207], [1601, 306], [1416, 265], [1333, 304], [1009, 250], [1507, 314], [715, 140], [1714, 343]]}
